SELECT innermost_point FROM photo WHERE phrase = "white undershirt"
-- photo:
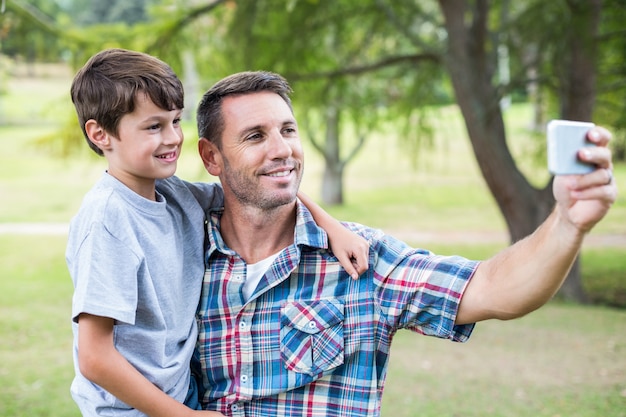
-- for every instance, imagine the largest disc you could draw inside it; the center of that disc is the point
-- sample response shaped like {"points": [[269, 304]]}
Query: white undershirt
{"points": [[254, 274]]}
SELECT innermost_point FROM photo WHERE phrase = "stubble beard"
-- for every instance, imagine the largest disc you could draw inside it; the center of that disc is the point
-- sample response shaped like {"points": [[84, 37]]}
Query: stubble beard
{"points": [[249, 192]]}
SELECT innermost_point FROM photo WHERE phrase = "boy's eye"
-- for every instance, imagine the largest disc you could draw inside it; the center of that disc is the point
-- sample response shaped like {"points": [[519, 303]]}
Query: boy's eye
{"points": [[154, 127], [177, 121]]}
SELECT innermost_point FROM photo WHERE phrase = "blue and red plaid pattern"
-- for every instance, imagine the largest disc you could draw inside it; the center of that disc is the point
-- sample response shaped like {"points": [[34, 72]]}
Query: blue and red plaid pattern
{"points": [[311, 341]]}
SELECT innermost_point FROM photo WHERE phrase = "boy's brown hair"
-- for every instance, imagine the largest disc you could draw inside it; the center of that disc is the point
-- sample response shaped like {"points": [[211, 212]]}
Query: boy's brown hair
{"points": [[106, 87]]}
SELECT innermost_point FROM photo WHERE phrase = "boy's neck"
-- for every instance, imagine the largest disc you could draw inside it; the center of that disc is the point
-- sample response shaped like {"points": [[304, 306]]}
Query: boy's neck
{"points": [[144, 187]]}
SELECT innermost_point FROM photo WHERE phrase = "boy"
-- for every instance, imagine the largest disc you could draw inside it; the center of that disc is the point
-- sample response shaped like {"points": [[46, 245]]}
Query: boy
{"points": [[135, 248]]}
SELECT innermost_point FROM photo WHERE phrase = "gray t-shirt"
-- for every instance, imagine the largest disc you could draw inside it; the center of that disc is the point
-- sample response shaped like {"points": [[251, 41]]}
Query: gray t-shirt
{"points": [[141, 263]]}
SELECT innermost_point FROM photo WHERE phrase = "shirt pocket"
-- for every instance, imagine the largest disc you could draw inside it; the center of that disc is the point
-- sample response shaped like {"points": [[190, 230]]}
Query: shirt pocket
{"points": [[311, 336]]}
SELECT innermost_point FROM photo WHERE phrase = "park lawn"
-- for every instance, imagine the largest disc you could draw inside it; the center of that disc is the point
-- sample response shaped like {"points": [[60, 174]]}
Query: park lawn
{"points": [[36, 341], [562, 360]]}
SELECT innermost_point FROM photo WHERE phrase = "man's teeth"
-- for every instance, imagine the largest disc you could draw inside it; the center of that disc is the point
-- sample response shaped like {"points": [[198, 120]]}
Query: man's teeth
{"points": [[280, 174]]}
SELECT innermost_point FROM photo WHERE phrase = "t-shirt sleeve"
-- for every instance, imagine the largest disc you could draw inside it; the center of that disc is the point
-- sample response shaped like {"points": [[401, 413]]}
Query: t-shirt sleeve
{"points": [[105, 272], [208, 194]]}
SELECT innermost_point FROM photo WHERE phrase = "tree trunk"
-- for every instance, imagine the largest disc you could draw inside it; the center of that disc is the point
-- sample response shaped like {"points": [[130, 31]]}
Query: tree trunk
{"points": [[332, 181], [191, 81], [471, 71], [578, 94]]}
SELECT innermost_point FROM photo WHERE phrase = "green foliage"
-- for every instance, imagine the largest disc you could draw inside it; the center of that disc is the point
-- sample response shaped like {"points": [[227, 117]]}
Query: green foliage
{"points": [[87, 12], [537, 33], [611, 100], [29, 30]]}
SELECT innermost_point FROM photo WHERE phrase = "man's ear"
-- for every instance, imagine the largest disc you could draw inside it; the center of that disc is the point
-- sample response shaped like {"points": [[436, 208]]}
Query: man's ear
{"points": [[97, 135], [211, 156]]}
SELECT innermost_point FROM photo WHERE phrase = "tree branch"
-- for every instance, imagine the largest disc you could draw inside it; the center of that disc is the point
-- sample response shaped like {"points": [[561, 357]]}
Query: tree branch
{"points": [[362, 69], [178, 24]]}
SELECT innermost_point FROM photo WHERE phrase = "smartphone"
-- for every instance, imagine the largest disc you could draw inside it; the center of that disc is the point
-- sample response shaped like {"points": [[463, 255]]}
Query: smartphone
{"points": [[565, 139]]}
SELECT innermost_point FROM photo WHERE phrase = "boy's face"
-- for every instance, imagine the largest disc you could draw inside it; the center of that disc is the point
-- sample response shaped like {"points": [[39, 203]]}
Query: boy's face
{"points": [[147, 148]]}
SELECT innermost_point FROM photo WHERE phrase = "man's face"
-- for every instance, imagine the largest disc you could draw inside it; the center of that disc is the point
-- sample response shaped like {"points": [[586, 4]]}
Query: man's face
{"points": [[261, 158]]}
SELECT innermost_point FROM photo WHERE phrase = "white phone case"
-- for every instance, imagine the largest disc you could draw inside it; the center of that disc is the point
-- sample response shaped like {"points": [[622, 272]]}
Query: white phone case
{"points": [[565, 139]]}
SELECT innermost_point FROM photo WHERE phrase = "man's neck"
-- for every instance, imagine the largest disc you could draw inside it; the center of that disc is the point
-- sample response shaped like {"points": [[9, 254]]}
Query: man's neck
{"points": [[256, 234]]}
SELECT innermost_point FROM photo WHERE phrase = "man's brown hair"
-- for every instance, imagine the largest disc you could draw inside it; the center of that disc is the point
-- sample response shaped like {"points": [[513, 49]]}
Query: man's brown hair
{"points": [[209, 116]]}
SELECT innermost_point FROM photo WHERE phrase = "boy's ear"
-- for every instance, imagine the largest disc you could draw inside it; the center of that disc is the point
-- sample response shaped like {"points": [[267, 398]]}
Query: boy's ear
{"points": [[211, 156], [97, 135]]}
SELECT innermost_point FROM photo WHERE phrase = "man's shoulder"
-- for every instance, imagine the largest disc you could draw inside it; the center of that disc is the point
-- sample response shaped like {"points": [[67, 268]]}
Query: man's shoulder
{"points": [[361, 229]]}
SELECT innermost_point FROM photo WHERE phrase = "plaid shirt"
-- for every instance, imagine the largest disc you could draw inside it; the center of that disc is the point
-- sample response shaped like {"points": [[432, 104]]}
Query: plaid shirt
{"points": [[311, 341]]}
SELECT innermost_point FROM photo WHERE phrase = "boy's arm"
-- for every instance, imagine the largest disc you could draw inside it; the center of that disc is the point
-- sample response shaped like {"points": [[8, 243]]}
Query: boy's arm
{"points": [[102, 364], [351, 249]]}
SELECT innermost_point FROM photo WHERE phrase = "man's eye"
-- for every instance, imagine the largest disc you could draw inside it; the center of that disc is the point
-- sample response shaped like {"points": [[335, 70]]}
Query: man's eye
{"points": [[177, 121], [255, 136]]}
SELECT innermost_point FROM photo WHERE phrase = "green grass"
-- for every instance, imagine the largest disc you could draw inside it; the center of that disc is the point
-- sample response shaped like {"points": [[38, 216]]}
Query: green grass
{"points": [[36, 342], [563, 360], [558, 361]]}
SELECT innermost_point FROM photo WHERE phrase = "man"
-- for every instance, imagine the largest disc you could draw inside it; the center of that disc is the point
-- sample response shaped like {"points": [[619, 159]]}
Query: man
{"points": [[281, 332]]}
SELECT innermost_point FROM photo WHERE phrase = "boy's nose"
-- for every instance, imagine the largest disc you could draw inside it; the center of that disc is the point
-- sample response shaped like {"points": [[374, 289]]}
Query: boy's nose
{"points": [[173, 136]]}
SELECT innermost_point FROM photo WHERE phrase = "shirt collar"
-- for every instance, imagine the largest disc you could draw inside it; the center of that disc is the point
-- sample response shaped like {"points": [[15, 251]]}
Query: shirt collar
{"points": [[307, 232]]}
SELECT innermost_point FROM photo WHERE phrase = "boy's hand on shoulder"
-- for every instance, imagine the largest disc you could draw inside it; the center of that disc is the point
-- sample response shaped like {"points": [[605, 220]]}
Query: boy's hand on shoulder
{"points": [[351, 250]]}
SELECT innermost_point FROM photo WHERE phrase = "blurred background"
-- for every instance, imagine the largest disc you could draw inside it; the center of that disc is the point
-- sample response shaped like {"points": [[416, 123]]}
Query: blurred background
{"points": [[424, 118]]}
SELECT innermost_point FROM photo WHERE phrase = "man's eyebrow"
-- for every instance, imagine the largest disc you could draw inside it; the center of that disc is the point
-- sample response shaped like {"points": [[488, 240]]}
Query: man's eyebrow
{"points": [[261, 127], [250, 129]]}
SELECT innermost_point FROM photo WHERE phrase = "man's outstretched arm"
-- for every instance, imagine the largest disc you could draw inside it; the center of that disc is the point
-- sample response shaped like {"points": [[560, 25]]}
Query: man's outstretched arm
{"points": [[526, 275]]}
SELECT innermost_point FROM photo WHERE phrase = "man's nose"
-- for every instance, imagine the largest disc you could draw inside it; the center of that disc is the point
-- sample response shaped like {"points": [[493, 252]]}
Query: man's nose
{"points": [[279, 147]]}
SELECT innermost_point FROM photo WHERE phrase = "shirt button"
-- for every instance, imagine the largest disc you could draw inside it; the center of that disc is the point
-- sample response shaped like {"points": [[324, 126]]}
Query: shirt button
{"points": [[242, 325], [312, 325], [243, 379], [234, 408], [237, 277]]}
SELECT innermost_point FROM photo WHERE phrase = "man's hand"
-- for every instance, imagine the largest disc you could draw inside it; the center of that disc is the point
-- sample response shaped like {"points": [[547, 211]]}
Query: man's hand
{"points": [[583, 200]]}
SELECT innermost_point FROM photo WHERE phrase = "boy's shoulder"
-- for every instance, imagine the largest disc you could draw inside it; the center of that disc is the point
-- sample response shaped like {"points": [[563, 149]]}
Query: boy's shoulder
{"points": [[207, 194], [109, 201], [103, 192], [174, 184]]}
